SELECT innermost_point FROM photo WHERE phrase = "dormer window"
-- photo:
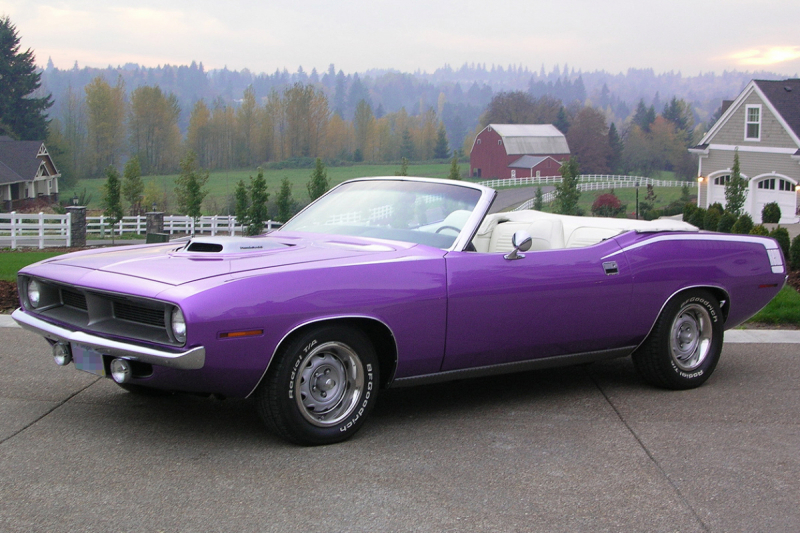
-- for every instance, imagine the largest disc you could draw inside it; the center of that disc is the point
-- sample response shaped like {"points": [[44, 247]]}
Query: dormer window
{"points": [[752, 128]]}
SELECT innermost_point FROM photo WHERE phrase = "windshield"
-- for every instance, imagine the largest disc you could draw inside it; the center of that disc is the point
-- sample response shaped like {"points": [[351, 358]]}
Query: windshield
{"points": [[409, 211]]}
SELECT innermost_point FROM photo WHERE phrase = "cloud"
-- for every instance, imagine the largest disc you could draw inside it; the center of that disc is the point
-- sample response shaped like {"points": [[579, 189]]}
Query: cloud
{"points": [[766, 56]]}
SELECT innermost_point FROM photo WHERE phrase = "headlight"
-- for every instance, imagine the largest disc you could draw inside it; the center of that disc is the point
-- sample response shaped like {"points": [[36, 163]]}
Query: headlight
{"points": [[34, 293], [178, 325]]}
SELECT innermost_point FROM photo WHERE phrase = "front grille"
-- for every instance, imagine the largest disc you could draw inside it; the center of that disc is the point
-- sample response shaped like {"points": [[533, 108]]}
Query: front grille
{"points": [[107, 314], [73, 299], [139, 314]]}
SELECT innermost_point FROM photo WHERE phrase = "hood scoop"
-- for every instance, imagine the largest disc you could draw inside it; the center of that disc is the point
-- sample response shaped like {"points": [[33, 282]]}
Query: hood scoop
{"points": [[231, 245]]}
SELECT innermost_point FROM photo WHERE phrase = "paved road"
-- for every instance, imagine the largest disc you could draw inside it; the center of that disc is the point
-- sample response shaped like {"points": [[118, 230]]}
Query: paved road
{"points": [[587, 448]]}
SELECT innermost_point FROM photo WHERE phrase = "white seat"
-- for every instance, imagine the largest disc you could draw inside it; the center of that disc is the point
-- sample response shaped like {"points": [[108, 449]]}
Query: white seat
{"points": [[546, 234]]}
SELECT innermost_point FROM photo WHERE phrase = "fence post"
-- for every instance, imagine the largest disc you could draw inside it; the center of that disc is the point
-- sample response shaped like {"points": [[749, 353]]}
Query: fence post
{"points": [[13, 222], [69, 234], [155, 222], [40, 224], [77, 226]]}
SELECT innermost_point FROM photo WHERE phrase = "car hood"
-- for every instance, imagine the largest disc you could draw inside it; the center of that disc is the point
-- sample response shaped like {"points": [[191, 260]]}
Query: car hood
{"points": [[177, 263]]}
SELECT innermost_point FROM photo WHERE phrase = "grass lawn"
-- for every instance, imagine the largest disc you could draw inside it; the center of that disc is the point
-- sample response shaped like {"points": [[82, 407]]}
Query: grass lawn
{"points": [[11, 262], [783, 309]]}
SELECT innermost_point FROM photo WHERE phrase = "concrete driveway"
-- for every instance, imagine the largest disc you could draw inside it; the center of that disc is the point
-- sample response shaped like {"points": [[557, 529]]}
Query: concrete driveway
{"points": [[585, 448]]}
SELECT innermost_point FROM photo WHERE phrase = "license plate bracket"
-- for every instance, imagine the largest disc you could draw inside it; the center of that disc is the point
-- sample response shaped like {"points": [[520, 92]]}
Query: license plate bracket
{"points": [[88, 360]]}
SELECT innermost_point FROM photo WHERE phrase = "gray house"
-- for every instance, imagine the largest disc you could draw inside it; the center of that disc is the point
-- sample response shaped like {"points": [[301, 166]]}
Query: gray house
{"points": [[27, 174], [764, 124]]}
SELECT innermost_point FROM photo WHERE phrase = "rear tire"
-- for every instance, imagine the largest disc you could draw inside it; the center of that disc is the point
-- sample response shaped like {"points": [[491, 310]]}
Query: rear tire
{"points": [[684, 347], [321, 387]]}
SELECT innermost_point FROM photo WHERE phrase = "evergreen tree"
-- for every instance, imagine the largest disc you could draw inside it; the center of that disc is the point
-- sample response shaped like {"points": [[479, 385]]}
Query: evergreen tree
{"points": [[441, 150], [615, 157], [132, 185], [241, 206], [189, 186], [538, 199], [567, 193], [111, 199], [562, 121], [257, 214], [403, 168], [318, 184], [284, 201], [455, 170], [736, 188], [21, 115], [407, 145]]}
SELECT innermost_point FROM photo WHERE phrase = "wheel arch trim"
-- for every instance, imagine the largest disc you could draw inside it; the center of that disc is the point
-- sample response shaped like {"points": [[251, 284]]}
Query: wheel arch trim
{"points": [[385, 378], [716, 290]]}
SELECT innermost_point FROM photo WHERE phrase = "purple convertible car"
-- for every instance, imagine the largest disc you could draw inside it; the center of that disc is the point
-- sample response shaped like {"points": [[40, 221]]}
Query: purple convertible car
{"points": [[389, 282]]}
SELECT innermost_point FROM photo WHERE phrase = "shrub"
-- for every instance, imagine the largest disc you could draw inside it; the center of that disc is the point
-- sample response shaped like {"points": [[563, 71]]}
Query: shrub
{"points": [[711, 220], [726, 222], [759, 229], [608, 205], [743, 225], [782, 236], [697, 217], [794, 254], [688, 209], [716, 206], [771, 213]]}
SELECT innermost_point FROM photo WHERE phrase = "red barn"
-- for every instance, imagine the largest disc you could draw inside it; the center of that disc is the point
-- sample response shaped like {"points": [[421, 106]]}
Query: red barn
{"points": [[503, 151]]}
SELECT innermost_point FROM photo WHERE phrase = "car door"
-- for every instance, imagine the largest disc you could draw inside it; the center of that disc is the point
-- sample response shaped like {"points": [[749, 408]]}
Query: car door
{"points": [[549, 303]]}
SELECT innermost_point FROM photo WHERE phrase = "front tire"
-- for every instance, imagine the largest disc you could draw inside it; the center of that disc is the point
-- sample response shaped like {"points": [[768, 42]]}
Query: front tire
{"points": [[321, 387], [684, 347]]}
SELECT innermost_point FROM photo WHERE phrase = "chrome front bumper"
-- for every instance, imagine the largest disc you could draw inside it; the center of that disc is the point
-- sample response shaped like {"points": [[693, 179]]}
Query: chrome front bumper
{"points": [[192, 359]]}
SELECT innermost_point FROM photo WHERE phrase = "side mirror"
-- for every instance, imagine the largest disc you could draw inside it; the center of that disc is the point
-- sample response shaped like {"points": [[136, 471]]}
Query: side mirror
{"points": [[521, 241]]}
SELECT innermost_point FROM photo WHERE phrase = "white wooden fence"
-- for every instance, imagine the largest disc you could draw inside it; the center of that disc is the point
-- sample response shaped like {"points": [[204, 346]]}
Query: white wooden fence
{"points": [[27, 230], [17, 230], [617, 182], [173, 224], [595, 183]]}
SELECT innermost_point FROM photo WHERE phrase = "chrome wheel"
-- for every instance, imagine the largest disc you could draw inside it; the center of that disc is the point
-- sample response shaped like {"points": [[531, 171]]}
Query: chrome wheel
{"points": [[329, 383], [691, 336]]}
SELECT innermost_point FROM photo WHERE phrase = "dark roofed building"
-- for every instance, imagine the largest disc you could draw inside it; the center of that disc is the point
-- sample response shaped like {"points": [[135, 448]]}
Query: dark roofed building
{"points": [[27, 173]]}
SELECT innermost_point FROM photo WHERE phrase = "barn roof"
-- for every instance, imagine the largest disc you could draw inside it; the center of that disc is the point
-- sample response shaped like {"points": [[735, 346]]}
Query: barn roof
{"points": [[522, 139]]}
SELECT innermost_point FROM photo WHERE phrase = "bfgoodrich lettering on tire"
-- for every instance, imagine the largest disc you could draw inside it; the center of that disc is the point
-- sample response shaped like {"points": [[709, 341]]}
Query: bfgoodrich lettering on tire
{"points": [[321, 387], [685, 344]]}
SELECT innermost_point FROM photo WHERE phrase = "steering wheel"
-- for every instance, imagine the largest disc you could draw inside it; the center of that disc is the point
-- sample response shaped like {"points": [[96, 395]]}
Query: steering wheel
{"points": [[439, 230]]}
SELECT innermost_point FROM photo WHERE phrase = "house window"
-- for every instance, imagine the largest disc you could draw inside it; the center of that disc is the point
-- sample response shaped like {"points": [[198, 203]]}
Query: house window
{"points": [[499, 142], [538, 173], [785, 185], [479, 141], [722, 180], [767, 184], [752, 123]]}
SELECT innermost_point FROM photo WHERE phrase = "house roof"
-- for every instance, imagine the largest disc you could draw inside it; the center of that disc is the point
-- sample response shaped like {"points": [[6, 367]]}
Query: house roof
{"points": [[19, 160], [785, 98], [781, 96], [522, 139]]}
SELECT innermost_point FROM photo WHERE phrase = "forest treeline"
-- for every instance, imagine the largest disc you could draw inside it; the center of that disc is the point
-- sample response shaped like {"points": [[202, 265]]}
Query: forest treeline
{"points": [[234, 119]]}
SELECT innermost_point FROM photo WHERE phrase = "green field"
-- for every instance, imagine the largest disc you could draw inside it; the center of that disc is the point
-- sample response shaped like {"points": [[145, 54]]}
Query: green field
{"points": [[222, 184], [11, 262]]}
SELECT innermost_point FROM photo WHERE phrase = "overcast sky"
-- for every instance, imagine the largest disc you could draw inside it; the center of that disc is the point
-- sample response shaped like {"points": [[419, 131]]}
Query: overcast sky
{"points": [[689, 36]]}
